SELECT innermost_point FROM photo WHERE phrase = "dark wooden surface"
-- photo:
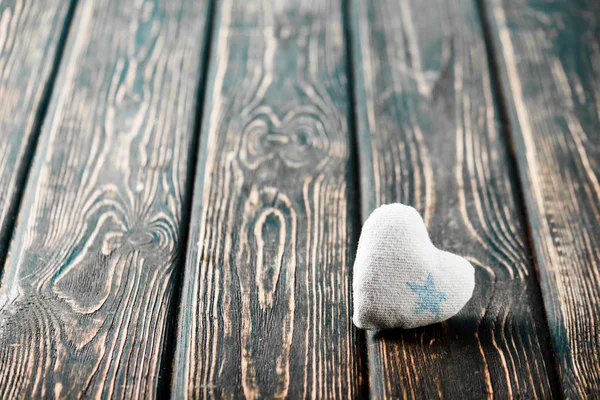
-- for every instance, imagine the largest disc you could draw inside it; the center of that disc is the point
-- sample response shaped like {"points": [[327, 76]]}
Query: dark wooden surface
{"points": [[266, 309], [548, 56], [87, 287], [30, 37], [191, 233], [429, 136]]}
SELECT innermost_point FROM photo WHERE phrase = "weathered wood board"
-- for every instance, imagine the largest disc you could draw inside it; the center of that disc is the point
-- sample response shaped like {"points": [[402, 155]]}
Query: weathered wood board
{"points": [[30, 44], [87, 287], [429, 136], [266, 308], [548, 56]]}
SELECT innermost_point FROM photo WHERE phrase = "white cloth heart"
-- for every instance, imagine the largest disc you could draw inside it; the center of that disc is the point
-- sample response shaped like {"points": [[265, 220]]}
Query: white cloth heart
{"points": [[401, 280]]}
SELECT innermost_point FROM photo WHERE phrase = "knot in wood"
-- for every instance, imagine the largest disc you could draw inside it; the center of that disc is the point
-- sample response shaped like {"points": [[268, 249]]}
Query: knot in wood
{"points": [[297, 139], [141, 238]]}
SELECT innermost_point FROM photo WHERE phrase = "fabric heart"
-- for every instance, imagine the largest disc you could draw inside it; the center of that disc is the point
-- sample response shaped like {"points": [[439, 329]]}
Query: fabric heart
{"points": [[401, 280]]}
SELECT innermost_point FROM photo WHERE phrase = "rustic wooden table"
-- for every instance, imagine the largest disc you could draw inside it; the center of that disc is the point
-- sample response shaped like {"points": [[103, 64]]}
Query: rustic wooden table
{"points": [[182, 186]]}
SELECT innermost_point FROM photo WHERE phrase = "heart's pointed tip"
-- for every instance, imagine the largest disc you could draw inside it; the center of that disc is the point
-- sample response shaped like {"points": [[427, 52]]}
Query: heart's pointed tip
{"points": [[360, 319], [356, 320]]}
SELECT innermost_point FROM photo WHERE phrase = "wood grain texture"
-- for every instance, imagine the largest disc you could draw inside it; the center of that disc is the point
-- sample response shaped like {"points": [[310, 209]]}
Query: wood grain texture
{"points": [[87, 288], [30, 33], [549, 62], [266, 308], [429, 136]]}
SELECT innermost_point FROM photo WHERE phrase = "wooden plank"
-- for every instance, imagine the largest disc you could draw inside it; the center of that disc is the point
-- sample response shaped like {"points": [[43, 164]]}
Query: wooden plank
{"points": [[429, 136], [30, 43], [548, 55], [86, 294], [266, 309]]}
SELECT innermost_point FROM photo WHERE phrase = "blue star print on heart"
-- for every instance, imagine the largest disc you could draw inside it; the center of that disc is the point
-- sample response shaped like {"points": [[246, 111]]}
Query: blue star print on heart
{"points": [[429, 297]]}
